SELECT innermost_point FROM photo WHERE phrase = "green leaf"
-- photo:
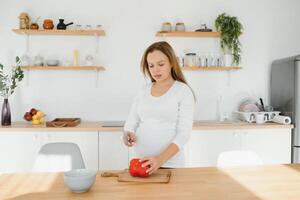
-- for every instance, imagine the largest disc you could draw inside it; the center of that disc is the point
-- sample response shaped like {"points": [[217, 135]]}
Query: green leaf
{"points": [[8, 84]]}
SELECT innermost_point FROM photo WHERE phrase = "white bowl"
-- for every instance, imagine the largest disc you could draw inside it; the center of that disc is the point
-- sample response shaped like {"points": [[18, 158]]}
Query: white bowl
{"points": [[80, 180], [52, 62]]}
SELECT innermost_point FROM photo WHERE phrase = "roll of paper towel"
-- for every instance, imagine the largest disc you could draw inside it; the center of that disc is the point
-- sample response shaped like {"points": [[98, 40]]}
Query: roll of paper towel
{"points": [[282, 119]]}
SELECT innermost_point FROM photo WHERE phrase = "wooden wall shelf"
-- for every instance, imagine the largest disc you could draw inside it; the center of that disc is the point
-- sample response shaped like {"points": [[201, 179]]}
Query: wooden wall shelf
{"points": [[92, 32], [188, 34], [90, 68], [210, 68]]}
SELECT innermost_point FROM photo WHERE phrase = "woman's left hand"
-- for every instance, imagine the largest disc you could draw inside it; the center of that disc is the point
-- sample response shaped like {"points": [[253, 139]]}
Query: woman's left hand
{"points": [[154, 163]]}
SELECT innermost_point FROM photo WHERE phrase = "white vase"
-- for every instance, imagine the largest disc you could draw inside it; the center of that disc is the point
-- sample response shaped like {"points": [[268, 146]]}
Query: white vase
{"points": [[228, 60]]}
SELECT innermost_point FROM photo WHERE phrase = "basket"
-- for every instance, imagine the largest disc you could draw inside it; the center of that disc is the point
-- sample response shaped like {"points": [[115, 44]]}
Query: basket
{"points": [[63, 122], [251, 116]]}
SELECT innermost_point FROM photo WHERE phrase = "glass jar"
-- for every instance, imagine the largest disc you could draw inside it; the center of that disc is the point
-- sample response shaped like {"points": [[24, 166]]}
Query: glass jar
{"points": [[89, 60], [190, 60], [98, 27], [180, 27], [78, 27], [88, 27], [166, 27]]}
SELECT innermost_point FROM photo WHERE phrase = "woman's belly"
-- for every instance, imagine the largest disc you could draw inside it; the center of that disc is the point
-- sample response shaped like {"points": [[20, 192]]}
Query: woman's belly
{"points": [[153, 138]]}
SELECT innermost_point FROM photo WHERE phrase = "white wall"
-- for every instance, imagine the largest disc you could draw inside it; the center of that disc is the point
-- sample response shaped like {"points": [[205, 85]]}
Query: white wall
{"points": [[272, 31]]}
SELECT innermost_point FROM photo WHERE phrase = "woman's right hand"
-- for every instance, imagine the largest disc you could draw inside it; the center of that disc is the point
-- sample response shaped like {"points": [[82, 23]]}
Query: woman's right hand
{"points": [[129, 139]]}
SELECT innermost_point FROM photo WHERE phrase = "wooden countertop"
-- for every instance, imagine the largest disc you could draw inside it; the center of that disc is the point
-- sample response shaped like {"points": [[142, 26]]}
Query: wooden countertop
{"points": [[213, 125], [90, 126], [269, 182]]}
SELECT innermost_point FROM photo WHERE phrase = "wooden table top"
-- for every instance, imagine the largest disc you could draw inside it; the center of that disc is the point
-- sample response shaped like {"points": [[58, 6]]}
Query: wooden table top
{"points": [[94, 126], [269, 182]]}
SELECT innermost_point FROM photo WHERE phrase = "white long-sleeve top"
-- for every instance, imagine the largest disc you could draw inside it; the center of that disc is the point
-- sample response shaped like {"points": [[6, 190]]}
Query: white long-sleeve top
{"points": [[160, 121]]}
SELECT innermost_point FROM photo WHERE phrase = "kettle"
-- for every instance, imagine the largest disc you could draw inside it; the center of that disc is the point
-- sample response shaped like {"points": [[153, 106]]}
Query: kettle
{"points": [[61, 25]]}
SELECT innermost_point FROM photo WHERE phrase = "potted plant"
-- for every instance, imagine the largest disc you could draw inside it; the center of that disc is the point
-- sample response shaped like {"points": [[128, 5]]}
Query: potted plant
{"points": [[230, 29], [8, 84]]}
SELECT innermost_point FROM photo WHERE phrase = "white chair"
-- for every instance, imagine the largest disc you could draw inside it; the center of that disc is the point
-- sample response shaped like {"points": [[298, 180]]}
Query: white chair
{"points": [[58, 157], [238, 158]]}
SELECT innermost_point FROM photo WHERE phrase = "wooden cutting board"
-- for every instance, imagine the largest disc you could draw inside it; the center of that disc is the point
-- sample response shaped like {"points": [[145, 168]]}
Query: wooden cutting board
{"points": [[159, 176]]}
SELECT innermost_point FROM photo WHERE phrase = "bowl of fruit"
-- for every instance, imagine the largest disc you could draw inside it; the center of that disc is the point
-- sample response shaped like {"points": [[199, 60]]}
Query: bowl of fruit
{"points": [[35, 116]]}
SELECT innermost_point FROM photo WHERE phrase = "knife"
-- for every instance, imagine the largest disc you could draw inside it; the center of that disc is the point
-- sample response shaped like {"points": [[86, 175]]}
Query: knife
{"points": [[262, 104]]}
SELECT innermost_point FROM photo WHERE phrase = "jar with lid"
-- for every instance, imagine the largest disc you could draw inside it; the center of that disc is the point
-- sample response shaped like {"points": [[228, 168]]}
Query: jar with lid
{"points": [[98, 27], [166, 27], [89, 60], [180, 27], [48, 24], [88, 27], [24, 21], [38, 60], [190, 60]]}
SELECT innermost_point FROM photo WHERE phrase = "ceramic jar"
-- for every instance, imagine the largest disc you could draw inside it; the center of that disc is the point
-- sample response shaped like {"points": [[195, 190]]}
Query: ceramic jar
{"points": [[180, 27], [166, 27], [48, 24]]}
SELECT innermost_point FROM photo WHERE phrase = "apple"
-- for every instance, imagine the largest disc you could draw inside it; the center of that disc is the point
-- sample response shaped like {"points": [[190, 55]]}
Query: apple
{"points": [[33, 111], [28, 116]]}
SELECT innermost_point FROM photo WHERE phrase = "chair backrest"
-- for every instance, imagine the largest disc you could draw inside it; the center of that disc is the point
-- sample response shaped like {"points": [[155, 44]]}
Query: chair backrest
{"points": [[238, 158], [58, 157]]}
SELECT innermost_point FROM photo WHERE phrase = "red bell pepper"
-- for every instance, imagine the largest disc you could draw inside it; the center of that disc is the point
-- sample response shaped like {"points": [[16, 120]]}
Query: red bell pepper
{"points": [[136, 169]]}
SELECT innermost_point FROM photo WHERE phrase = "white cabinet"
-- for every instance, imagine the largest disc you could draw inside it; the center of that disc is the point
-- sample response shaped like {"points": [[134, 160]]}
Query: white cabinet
{"points": [[204, 147], [106, 151], [113, 154], [18, 150], [87, 142], [272, 145]]}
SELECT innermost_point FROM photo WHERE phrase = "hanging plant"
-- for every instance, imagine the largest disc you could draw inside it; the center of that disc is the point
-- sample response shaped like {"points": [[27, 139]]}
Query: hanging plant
{"points": [[230, 29]]}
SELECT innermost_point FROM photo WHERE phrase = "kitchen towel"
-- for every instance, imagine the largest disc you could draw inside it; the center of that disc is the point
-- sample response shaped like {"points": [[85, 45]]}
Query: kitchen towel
{"points": [[282, 119]]}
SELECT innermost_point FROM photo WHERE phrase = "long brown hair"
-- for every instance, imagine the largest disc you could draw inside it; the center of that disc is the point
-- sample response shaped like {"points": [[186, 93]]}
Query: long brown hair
{"points": [[166, 49]]}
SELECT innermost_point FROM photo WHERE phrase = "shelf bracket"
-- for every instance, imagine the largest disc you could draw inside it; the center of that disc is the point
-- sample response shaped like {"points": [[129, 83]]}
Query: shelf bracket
{"points": [[97, 77], [164, 37], [96, 43], [229, 78], [27, 42], [27, 75]]}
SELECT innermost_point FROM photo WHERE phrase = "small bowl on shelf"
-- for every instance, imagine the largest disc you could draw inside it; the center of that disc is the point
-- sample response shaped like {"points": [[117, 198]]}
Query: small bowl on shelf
{"points": [[52, 62]]}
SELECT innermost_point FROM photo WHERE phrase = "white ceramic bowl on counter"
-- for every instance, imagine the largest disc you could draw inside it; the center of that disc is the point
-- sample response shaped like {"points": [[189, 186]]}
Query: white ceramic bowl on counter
{"points": [[80, 180]]}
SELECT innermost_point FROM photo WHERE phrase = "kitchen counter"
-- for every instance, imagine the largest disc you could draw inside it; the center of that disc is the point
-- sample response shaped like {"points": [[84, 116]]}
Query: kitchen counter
{"points": [[90, 126], [214, 125], [268, 182]]}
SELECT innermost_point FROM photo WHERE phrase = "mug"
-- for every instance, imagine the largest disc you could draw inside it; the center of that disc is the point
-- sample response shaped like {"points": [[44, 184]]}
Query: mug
{"points": [[251, 118], [260, 118]]}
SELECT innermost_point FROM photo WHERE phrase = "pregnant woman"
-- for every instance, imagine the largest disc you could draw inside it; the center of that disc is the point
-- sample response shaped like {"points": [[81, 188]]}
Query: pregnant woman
{"points": [[161, 117]]}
